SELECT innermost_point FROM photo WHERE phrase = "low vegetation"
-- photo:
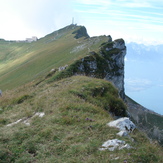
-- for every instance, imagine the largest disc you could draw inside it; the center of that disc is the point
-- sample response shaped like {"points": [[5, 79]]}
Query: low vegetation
{"points": [[73, 128]]}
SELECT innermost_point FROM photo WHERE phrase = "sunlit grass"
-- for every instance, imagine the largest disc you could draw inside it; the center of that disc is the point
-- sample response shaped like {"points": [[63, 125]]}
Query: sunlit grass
{"points": [[27, 61]]}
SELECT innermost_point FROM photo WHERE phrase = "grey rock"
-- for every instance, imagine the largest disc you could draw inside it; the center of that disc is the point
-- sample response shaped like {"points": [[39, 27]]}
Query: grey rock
{"points": [[62, 68], [114, 144], [109, 67], [123, 124]]}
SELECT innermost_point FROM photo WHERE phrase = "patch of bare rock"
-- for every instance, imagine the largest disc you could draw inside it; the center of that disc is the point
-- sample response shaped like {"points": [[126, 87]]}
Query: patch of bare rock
{"points": [[125, 126]]}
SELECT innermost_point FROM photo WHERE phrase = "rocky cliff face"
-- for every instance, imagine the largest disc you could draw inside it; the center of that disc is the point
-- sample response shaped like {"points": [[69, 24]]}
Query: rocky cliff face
{"points": [[107, 64], [116, 65]]}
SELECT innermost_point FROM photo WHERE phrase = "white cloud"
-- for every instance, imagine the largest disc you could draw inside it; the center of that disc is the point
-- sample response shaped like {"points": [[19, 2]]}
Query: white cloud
{"points": [[94, 2], [124, 3], [136, 4], [123, 19]]}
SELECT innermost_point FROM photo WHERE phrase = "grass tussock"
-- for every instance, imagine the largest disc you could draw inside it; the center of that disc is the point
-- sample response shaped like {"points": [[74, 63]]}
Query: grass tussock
{"points": [[73, 128]]}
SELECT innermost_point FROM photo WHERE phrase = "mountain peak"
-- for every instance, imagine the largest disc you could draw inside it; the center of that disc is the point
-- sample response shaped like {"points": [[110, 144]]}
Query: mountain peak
{"points": [[81, 32]]}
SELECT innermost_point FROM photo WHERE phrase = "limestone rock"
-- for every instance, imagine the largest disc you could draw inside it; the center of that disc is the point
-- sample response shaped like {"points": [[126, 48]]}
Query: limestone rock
{"points": [[14, 123], [62, 68], [26, 120], [119, 44], [124, 125], [116, 54], [108, 64], [122, 133], [40, 114], [113, 144]]}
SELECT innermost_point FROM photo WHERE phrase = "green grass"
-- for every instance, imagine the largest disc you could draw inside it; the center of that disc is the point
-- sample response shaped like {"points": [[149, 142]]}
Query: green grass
{"points": [[23, 62], [73, 128], [76, 108]]}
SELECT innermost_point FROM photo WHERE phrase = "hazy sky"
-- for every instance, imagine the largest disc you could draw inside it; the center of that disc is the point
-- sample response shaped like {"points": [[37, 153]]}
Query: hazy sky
{"points": [[133, 20]]}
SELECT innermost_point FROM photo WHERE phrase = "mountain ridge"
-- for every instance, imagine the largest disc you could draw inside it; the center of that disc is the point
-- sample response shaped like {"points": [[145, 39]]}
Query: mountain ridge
{"points": [[30, 52], [76, 106]]}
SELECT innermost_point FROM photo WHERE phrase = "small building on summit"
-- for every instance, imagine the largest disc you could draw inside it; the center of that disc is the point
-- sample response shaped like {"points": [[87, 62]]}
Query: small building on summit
{"points": [[34, 38]]}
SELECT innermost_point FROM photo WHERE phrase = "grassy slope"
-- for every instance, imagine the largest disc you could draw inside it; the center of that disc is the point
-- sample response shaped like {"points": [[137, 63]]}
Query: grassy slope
{"points": [[76, 108], [73, 128], [23, 62]]}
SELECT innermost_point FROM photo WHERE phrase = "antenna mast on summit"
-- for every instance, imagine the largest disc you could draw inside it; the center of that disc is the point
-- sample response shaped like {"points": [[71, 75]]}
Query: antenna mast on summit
{"points": [[73, 20]]}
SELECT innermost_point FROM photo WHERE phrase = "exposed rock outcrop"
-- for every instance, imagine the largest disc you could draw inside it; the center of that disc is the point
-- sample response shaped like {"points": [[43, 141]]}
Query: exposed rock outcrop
{"points": [[125, 126], [26, 120], [116, 64], [107, 64], [81, 32], [114, 144], [62, 68]]}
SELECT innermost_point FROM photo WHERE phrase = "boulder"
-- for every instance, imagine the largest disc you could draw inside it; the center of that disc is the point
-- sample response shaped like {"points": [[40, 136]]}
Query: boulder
{"points": [[125, 126]]}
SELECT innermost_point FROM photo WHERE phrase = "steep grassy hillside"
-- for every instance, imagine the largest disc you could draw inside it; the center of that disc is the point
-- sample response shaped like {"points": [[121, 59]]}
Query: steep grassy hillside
{"points": [[73, 127], [23, 62]]}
